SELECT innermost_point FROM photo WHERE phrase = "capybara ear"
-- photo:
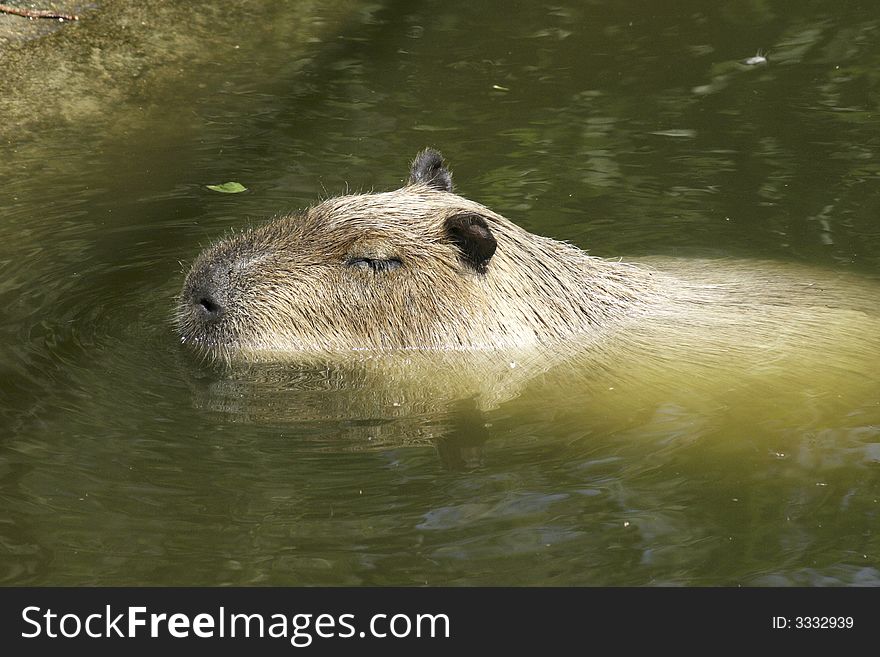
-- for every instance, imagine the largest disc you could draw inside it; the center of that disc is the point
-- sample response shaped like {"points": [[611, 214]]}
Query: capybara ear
{"points": [[428, 168], [471, 234]]}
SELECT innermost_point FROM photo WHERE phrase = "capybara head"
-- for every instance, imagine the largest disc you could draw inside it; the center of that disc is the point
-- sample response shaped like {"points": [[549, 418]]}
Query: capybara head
{"points": [[417, 268]]}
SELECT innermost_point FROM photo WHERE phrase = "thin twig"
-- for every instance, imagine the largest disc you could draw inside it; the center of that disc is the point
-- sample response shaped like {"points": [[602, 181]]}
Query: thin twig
{"points": [[36, 13]]}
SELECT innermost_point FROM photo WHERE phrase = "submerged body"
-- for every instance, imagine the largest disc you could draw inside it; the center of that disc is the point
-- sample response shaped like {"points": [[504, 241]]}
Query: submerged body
{"points": [[417, 298]]}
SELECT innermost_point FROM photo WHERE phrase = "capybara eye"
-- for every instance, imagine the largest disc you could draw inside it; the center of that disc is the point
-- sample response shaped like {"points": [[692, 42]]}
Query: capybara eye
{"points": [[374, 264]]}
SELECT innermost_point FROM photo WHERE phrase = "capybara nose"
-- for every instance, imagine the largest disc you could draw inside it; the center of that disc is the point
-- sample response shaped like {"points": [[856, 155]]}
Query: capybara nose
{"points": [[206, 293], [207, 305]]}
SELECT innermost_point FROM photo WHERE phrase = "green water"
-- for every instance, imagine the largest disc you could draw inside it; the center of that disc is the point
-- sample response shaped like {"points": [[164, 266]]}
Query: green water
{"points": [[628, 128]]}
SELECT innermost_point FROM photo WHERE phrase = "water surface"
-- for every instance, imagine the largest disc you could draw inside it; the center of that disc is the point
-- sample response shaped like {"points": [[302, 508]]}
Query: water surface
{"points": [[628, 128]]}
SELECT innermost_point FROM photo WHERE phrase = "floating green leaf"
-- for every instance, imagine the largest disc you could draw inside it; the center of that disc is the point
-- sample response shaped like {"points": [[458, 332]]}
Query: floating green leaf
{"points": [[228, 188]]}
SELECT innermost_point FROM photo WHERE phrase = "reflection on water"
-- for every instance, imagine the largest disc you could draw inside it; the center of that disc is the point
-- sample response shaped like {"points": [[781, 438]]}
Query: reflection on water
{"points": [[630, 129]]}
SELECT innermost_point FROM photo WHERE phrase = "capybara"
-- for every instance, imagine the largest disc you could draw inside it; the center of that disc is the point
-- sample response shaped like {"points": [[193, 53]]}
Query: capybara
{"points": [[422, 269]]}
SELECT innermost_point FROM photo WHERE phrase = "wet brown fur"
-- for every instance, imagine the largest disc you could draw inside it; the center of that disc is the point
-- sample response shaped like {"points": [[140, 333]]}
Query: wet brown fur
{"points": [[288, 287]]}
